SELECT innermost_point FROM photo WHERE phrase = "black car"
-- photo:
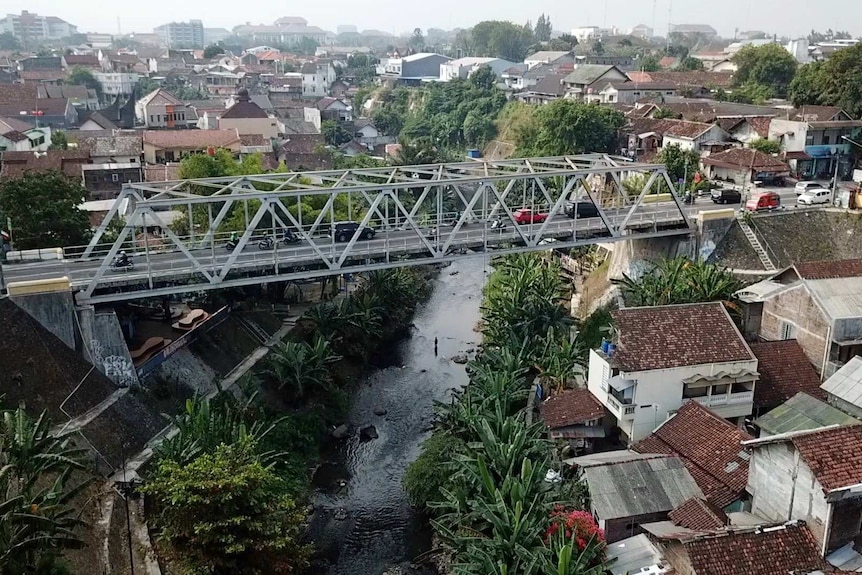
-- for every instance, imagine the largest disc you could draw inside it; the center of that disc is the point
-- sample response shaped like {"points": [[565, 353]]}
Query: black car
{"points": [[343, 231], [726, 196], [582, 209]]}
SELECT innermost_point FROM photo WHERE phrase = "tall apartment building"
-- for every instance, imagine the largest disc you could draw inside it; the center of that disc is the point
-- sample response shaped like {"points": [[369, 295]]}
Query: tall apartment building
{"points": [[30, 27], [182, 34]]}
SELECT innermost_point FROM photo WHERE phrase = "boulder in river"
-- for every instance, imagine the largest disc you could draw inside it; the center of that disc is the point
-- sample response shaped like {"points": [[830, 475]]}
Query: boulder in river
{"points": [[380, 411], [368, 433], [460, 358], [340, 514], [341, 431]]}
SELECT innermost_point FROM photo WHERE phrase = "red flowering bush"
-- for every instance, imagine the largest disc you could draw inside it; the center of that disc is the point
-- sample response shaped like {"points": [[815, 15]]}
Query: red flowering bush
{"points": [[574, 525]]}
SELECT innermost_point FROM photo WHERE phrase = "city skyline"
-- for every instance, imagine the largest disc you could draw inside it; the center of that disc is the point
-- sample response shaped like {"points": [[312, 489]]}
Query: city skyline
{"points": [[783, 17]]}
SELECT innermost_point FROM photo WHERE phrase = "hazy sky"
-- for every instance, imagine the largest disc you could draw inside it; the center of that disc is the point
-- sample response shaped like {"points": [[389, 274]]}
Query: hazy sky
{"points": [[784, 17]]}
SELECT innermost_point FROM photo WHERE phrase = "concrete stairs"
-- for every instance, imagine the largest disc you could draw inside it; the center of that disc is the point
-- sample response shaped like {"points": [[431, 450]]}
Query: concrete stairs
{"points": [[758, 247]]}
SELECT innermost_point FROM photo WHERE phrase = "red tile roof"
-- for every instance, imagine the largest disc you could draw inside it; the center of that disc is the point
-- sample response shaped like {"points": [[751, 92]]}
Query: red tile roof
{"points": [[699, 515], [571, 407], [776, 551], [671, 336], [668, 127], [191, 139], [784, 371], [829, 269], [14, 93], [67, 161], [833, 455], [709, 446], [746, 159]]}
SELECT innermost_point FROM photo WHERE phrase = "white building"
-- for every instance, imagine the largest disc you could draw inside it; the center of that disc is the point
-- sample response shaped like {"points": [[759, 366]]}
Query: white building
{"points": [[669, 355], [30, 27], [462, 68], [18, 136], [548, 57], [182, 34], [317, 78], [115, 83], [586, 33]]}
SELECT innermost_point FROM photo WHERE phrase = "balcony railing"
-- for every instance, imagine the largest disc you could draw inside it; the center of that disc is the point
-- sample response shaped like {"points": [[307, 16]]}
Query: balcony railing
{"points": [[620, 409], [724, 399]]}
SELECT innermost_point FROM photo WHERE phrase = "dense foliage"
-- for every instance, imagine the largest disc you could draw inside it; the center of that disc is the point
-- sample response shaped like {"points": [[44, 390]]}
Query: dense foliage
{"points": [[678, 281], [765, 146], [769, 66], [37, 521], [43, 209], [835, 82], [485, 464], [570, 127]]}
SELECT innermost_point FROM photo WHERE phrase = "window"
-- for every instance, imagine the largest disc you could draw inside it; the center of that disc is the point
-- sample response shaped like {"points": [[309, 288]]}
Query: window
{"points": [[115, 177], [788, 330], [826, 139]]}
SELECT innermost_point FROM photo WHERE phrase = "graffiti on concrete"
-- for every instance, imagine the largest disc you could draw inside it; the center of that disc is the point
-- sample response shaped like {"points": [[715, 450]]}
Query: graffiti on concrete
{"points": [[116, 367]]}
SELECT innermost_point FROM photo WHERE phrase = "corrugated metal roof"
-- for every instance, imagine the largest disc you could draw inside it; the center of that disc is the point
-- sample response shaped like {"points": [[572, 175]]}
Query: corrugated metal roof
{"points": [[802, 412], [633, 488], [846, 383], [839, 297]]}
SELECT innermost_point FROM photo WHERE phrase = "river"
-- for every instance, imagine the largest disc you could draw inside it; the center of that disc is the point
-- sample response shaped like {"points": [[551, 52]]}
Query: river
{"points": [[363, 523]]}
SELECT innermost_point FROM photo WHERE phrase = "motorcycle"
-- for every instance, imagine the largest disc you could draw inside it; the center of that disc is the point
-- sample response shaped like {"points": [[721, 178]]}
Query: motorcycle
{"points": [[266, 243], [230, 245], [498, 224], [688, 199], [290, 238], [121, 263]]}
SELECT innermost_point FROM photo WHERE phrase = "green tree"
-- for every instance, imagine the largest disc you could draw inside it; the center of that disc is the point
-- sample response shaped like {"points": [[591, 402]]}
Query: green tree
{"points": [[543, 29], [213, 50], [59, 140], [147, 85], [501, 39], [681, 164], [841, 80], [43, 208], [82, 77], [36, 520], [765, 146], [484, 79], [334, 133], [649, 63], [9, 41], [598, 48], [226, 512], [690, 63], [417, 40], [680, 281], [569, 127], [806, 88], [769, 65]]}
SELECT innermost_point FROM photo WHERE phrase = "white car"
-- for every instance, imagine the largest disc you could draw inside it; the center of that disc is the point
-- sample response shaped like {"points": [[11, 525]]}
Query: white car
{"points": [[806, 186], [815, 196]]}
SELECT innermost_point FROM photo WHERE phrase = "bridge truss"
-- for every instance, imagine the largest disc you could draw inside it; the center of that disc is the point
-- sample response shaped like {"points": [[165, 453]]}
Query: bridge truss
{"points": [[421, 214]]}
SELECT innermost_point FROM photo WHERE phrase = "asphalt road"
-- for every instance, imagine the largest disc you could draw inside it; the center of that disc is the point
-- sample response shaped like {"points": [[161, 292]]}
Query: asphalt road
{"points": [[163, 265]]}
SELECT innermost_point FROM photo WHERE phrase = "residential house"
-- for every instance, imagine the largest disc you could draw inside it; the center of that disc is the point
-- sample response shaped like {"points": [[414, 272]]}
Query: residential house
{"points": [[317, 78], [629, 489], [353, 148], [87, 61], [574, 416], [367, 134], [462, 68], [68, 162], [812, 476], [547, 90], [18, 136], [802, 413], [735, 550], [247, 118], [415, 68], [746, 129], [813, 141], [117, 83], [692, 84], [643, 133], [844, 387], [741, 165], [304, 152], [709, 446], [105, 181], [161, 109], [549, 57], [586, 80], [667, 356], [328, 108], [118, 147], [81, 97], [630, 92], [96, 121], [784, 372], [163, 146], [524, 80], [56, 113], [814, 303]]}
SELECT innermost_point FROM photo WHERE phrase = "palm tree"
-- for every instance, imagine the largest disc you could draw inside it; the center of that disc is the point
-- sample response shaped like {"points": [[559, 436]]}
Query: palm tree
{"points": [[680, 280], [302, 367]]}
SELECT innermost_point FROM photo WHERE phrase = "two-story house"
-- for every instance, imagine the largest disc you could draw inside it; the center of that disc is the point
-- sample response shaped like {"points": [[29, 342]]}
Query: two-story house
{"points": [[586, 81], [666, 356], [161, 109], [642, 134], [18, 136], [462, 68], [815, 476], [630, 92], [317, 78], [247, 118], [812, 138], [815, 303], [328, 108]]}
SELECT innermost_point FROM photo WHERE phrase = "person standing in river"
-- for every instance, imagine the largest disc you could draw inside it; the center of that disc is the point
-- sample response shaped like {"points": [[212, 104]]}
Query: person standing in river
{"points": [[435, 347]]}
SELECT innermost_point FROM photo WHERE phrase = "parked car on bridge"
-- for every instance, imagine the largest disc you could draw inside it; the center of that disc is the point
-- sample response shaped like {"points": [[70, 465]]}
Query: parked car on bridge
{"points": [[583, 209], [343, 231], [814, 196], [726, 196], [525, 216]]}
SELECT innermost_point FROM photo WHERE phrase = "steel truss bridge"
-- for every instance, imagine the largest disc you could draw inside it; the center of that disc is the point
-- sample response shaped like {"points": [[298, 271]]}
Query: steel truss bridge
{"points": [[421, 214]]}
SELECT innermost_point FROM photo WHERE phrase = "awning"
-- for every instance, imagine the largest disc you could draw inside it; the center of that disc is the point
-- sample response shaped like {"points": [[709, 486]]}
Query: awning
{"points": [[797, 156]]}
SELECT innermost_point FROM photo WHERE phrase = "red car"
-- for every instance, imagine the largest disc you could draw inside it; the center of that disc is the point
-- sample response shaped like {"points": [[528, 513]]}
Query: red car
{"points": [[529, 217]]}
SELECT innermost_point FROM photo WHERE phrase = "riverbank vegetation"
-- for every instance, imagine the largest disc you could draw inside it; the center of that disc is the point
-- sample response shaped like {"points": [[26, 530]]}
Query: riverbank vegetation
{"points": [[228, 492], [482, 473], [678, 281]]}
